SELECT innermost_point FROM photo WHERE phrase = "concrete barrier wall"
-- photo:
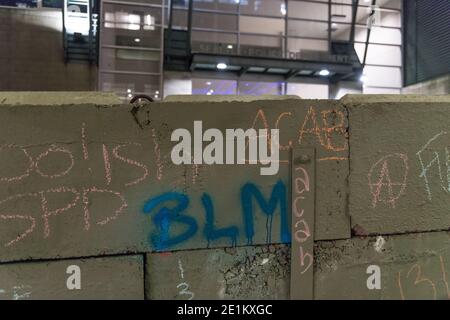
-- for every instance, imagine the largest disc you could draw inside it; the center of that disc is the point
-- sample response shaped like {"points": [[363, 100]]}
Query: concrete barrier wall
{"points": [[89, 180]]}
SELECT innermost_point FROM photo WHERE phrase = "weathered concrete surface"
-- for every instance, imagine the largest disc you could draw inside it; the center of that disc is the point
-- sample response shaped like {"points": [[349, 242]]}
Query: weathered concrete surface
{"points": [[225, 98], [119, 277], [399, 163], [45, 98], [74, 179], [412, 267], [259, 272]]}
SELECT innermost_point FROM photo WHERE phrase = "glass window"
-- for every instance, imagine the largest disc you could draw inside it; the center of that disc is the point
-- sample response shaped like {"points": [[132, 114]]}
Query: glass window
{"points": [[308, 90], [275, 8], [261, 46], [206, 20], [131, 17], [213, 87], [127, 85], [380, 54], [308, 29], [219, 5], [297, 46], [261, 25], [19, 3], [52, 3], [260, 88], [131, 60], [133, 38], [384, 77], [179, 18], [308, 10], [214, 42]]}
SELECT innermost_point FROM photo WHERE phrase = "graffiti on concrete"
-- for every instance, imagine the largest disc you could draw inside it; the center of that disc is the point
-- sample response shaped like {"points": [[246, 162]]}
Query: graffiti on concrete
{"points": [[388, 185], [435, 157], [55, 163], [167, 215]]}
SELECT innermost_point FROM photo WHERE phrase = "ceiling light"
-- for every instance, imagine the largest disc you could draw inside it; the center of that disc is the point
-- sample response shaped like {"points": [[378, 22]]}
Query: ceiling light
{"points": [[324, 73], [137, 40], [230, 46], [363, 78], [222, 66]]}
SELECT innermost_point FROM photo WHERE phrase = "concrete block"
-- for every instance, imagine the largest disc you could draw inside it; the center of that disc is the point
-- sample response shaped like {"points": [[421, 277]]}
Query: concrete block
{"points": [[399, 163], [260, 272], [74, 179], [120, 277], [43, 98], [223, 98], [412, 267]]}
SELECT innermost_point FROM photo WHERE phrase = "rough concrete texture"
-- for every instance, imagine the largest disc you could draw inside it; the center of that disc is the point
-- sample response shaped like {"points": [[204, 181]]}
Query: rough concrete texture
{"points": [[44, 98], [412, 266], [120, 277], [258, 272], [75, 178], [399, 178], [227, 98]]}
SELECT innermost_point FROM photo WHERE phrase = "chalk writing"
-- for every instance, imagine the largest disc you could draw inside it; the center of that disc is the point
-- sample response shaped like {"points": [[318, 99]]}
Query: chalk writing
{"points": [[184, 285], [79, 197], [157, 151], [302, 225], [416, 277], [55, 149], [301, 229], [380, 178], [132, 163], [435, 161], [329, 129], [28, 159], [325, 133]]}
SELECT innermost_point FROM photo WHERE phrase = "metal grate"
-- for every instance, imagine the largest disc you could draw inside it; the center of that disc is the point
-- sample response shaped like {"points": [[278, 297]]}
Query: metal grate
{"points": [[427, 39]]}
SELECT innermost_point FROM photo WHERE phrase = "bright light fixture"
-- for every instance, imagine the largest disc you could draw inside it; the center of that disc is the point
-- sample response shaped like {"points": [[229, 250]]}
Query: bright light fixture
{"points": [[363, 78], [230, 46], [222, 66], [324, 73], [137, 40]]}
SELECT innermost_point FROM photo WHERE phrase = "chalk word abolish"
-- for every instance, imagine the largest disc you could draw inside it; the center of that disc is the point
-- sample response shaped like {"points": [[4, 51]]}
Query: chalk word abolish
{"points": [[213, 153]]}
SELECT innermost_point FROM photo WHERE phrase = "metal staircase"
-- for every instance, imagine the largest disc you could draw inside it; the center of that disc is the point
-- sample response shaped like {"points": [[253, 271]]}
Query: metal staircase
{"points": [[80, 23]]}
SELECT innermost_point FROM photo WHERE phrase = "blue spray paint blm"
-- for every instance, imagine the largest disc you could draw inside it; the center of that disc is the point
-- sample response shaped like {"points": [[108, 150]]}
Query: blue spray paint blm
{"points": [[211, 233], [250, 191], [166, 216]]}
